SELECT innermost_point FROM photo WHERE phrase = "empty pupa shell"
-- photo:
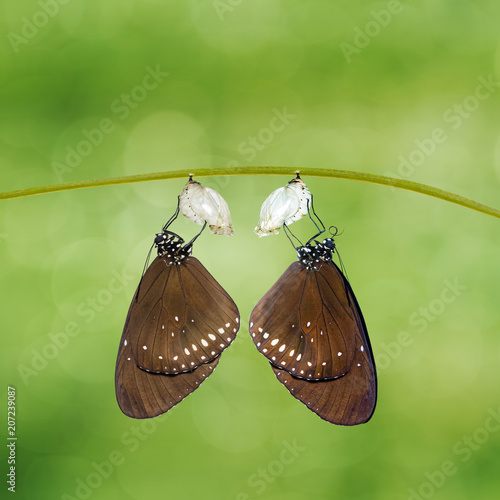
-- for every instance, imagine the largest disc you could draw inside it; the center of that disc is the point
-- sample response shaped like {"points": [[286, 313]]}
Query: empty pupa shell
{"points": [[284, 205], [200, 204]]}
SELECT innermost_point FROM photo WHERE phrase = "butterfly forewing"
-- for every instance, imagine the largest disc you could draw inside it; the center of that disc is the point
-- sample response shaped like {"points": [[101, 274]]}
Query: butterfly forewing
{"points": [[300, 325], [182, 317]]}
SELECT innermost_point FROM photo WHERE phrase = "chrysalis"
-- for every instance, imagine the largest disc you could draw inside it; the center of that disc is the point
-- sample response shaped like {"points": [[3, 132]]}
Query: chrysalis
{"points": [[200, 204], [285, 205]]}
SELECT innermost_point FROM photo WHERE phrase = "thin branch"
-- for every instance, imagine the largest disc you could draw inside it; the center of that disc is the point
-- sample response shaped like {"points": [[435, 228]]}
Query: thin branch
{"points": [[306, 172]]}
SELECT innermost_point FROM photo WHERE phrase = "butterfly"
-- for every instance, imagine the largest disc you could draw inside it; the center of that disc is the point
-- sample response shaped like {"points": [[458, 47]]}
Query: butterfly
{"points": [[311, 329], [178, 324]]}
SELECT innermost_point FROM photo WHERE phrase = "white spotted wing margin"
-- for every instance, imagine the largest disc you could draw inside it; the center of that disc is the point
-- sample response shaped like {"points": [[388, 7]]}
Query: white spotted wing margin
{"points": [[141, 394], [155, 370], [349, 398]]}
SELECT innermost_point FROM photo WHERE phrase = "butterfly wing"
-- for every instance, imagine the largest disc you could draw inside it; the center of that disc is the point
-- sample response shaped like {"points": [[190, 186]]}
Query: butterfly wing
{"points": [[178, 323], [141, 394], [305, 324], [348, 398], [181, 317]]}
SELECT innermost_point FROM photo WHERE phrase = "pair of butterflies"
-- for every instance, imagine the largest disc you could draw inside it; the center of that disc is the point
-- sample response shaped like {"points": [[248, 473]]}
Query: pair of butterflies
{"points": [[308, 325]]}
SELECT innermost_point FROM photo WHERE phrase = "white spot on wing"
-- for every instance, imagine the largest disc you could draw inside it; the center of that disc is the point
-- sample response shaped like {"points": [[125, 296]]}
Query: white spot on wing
{"points": [[275, 341]]}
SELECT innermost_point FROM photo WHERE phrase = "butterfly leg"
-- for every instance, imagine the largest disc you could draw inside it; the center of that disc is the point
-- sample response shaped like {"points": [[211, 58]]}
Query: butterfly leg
{"points": [[176, 214], [310, 208]]}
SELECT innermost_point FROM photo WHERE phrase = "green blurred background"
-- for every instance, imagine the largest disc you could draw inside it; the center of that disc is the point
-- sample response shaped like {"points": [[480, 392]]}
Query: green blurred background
{"points": [[359, 85]]}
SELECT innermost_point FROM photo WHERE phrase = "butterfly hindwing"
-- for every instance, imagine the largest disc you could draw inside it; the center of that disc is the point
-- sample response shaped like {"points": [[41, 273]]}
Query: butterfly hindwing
{"points": [[141, 394]]}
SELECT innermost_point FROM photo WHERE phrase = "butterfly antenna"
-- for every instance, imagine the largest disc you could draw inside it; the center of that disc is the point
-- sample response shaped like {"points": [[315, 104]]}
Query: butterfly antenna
{"points": [[334, 233]]}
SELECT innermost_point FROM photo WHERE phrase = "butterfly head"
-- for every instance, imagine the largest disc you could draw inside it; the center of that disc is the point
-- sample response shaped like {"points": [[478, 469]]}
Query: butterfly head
{"points": [[328, 245]]}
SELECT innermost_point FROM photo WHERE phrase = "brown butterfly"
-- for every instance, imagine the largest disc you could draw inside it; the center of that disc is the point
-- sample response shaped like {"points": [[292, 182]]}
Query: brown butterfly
{"points": [[179, 322], [310, 327]]}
